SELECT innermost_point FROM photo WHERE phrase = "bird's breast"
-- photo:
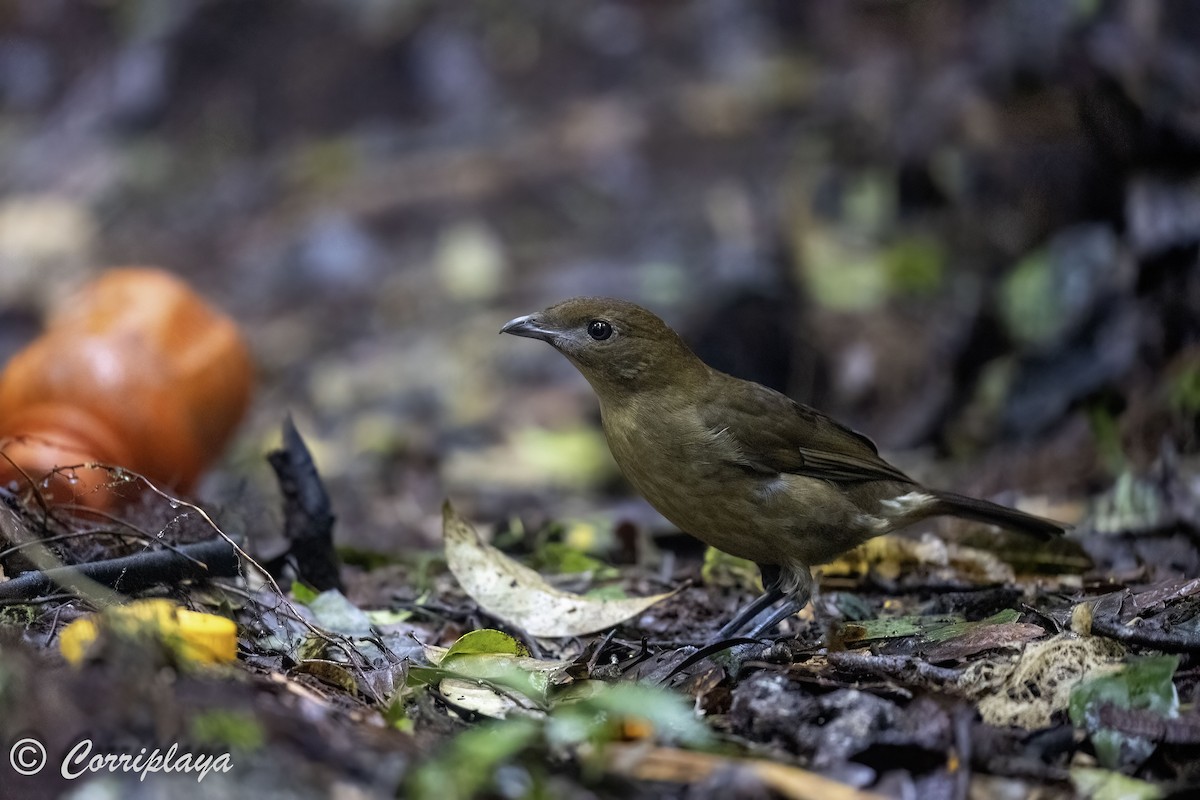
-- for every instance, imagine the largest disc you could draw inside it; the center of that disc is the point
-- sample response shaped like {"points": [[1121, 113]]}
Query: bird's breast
{"points": [[691, 475], [664, 453]]}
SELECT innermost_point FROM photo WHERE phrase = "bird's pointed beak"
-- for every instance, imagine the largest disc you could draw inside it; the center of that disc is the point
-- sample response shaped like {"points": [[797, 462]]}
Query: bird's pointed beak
{"points": [[528, 327]]}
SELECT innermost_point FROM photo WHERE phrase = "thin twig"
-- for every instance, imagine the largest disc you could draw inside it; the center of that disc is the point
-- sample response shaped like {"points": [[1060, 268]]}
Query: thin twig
{"points": [[1177, 641]]}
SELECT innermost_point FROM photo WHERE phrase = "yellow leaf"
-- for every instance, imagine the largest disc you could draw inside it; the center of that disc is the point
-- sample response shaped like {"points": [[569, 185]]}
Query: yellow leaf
{"points": [[192, 636]]}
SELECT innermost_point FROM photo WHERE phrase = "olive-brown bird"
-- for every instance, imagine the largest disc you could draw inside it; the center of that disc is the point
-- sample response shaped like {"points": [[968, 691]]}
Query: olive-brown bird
{"points": [[735, 464]]}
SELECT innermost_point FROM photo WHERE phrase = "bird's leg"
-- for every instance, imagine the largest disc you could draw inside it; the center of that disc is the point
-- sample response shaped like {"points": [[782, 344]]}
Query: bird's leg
{"points": [[758, 617], [749, 611], [791, 605], [770, 577]]}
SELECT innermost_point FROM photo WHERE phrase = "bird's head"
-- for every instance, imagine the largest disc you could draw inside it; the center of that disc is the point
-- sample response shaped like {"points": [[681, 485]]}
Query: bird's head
{"points": [[618, 346]]}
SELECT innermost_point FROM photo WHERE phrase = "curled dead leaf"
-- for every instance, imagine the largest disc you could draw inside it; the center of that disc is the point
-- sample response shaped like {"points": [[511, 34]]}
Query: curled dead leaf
{"points": [[520, 596]]}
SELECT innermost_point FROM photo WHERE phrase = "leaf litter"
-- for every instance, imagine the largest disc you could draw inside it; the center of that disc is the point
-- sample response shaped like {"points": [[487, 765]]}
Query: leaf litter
{"points": [[923, 648]]}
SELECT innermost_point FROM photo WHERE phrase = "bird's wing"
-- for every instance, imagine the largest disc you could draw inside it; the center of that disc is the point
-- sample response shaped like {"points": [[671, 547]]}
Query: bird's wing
{"points": [[771, 433]]}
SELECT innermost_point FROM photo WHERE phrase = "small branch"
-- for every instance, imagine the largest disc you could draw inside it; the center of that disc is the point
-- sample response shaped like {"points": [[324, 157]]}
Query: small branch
{"points": [[207, 559], [1155, 638], [1149, 725], [901, 668]]}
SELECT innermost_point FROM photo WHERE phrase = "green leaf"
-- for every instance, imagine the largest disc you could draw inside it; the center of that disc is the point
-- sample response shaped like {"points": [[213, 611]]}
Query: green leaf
{"points": [[485, 641], [893, 627], [508, 671], [303, 593], [466, 765], [941, 633], [592, 718], [935, 628], [563, 559], [1145, 683], [489, 660]]}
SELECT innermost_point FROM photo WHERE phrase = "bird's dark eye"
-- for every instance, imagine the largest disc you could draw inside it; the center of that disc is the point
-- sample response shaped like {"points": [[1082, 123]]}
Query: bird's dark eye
{"points": [[599, 330]]}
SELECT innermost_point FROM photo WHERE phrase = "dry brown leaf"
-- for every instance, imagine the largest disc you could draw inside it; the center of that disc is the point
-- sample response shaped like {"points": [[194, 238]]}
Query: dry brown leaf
{"points": [[987, 637], [686, 766], [520, 596]]}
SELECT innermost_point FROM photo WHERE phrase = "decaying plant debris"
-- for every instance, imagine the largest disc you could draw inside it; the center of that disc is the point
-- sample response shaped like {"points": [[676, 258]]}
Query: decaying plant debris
{"points": [[959, 681]]}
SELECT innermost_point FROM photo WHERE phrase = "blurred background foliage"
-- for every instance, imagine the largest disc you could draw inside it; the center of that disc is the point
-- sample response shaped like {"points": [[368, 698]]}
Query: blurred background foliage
{"points": [[970, 230]]}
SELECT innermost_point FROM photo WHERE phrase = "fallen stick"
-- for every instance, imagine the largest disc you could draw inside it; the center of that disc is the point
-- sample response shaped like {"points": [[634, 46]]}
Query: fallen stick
{"points": [[211, 558]]}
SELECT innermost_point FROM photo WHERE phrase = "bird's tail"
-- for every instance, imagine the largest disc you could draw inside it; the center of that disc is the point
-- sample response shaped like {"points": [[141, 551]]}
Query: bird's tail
{"points": [[957, 505]]}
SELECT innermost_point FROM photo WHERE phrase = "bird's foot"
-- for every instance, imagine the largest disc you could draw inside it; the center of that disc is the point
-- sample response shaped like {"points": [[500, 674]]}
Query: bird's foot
{"points": [[759, 617]]}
